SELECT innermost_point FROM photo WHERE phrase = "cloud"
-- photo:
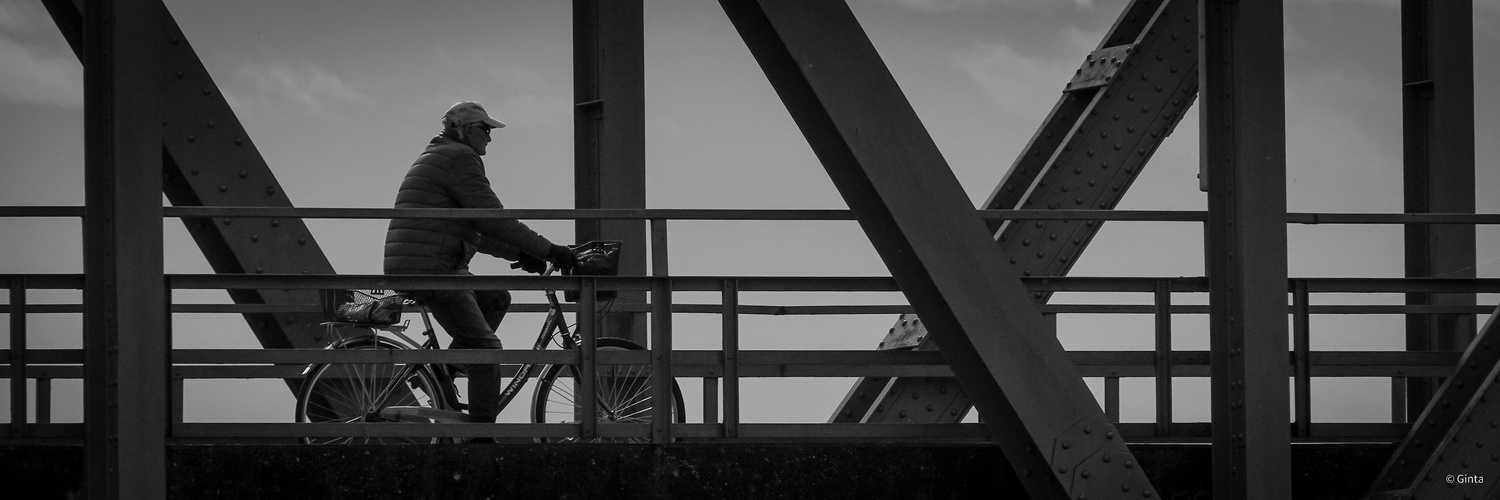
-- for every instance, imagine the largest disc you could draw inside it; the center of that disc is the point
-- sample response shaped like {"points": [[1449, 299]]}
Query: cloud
{"points": [[1020, 83], [301, 84], [36, 65]]}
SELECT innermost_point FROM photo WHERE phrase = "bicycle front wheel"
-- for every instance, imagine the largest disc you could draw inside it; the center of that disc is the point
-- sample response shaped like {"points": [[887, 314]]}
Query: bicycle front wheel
{"points": [[336, 393], [623, 394]]}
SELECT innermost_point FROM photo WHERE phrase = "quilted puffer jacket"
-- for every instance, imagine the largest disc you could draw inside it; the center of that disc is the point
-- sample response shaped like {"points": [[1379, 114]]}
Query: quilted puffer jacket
{"points": [[450, 175]]}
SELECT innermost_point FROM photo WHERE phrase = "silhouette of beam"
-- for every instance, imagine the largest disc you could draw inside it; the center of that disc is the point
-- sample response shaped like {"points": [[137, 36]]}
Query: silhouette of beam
{"points": [[907, 200]]}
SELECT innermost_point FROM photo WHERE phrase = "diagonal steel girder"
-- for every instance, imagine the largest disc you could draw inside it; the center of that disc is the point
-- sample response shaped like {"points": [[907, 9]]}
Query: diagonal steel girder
{"points": [[1449, 450], [209, 160], [885, 165], [1127, 97]]}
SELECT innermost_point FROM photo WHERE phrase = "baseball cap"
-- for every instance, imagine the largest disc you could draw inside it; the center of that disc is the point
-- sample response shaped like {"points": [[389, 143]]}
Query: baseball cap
{"points": [[468, 113]]}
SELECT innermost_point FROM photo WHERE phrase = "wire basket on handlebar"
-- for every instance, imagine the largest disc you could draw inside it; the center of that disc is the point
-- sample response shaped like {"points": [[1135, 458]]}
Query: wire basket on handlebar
{"points": [[596, 258]]}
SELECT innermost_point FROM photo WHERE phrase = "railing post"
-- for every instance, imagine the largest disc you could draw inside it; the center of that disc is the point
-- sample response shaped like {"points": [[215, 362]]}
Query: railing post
{"points": [[587, 390], [43, 400], [1163, 358], [18, 357], [659, 247], [661, 361], [1302, 385], [1112, 398], [730, 359]]}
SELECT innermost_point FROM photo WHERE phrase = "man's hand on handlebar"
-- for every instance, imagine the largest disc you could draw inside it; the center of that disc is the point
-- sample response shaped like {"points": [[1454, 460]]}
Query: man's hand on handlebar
{"points": [[562, 257], [530, 263]]}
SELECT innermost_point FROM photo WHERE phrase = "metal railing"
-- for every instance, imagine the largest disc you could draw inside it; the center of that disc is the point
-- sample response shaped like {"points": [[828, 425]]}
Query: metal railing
{"points": [[729, 365]]}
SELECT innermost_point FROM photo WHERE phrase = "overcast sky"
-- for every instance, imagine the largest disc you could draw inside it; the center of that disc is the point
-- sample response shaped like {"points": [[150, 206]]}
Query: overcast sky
{"points": [[340, 96]]}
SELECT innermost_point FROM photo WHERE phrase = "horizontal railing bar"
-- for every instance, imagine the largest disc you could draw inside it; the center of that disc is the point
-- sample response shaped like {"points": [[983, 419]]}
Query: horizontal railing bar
{"points": [[436, 356], [753, 214], [44, 281], [750, 283], [804, 310], [396, 429], [41, 211]]}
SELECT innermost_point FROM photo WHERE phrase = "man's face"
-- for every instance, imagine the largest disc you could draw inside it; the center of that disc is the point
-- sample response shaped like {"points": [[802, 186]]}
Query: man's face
{"points": [[479, 137]]}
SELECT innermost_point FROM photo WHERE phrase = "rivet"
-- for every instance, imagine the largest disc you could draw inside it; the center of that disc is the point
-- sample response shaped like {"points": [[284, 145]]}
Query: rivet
{"points": [[190, 138], [179, 74], [270, 191], [259, 270], [176, 40], [193, 171], [1026, 272], [1084, 474], [223, 188], [1104, 165], [207, 92], [275, 222], [1104, 135], [228, 221], [1066, 445], [1124, 487], [916, 395], [1129, 464], [1088, 429], [301, 241], [254, 237], [1062, 470], [244, 174], [902, 414], [239, 141], [930, 408], [1039, 224], [211, 124], [1052, 236], [1109, 435], [163, 123], [1026, 242], [1105, 458], [1041, 255]]}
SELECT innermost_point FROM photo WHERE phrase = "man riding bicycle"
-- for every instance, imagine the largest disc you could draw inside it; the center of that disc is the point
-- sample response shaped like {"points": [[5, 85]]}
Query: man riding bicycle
{"points": [[450, 174]]}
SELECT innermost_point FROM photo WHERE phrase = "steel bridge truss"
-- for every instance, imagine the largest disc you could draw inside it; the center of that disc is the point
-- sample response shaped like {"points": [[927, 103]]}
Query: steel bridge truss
{"points": [[1127, 96]]}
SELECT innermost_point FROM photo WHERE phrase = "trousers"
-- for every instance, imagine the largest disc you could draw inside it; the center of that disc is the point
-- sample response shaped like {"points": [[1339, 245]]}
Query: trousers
{"points": [[471, 317]]}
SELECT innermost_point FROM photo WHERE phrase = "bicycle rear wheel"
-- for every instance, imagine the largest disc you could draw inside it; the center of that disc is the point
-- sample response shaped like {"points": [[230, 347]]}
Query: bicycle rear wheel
{"points": [[624, 394], [356, 392]]}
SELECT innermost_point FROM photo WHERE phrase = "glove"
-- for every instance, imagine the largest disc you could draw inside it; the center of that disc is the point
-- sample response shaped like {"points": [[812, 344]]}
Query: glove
{"points": [[562, 257], [530, 263]]}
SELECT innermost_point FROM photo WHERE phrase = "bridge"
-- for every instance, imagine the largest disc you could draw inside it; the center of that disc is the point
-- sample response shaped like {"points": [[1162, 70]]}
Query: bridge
{"points": [[976, 389]]}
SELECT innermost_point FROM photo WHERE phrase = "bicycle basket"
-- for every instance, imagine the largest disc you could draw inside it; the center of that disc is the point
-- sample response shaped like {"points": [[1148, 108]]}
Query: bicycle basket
{"points": [[371, 307], [596, 258]]}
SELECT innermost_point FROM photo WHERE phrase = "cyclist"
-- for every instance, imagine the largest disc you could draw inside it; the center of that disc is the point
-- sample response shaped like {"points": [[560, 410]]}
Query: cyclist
{"points": [[450, 174]]}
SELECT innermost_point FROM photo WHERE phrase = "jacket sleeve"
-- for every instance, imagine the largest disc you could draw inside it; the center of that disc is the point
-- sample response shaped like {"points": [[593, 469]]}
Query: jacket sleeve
{"points": [[472, 190], [498, 248]]}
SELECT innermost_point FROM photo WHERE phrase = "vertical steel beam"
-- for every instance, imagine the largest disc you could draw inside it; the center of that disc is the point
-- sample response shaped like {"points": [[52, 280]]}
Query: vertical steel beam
{"points": [[885, 165], [209, 160], [1437, 59], [609, 147], [125, 350], [1244, 156]]}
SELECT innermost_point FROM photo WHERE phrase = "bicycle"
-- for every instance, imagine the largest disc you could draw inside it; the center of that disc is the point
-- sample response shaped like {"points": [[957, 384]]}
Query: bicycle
{"points": [[385, 392]]}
